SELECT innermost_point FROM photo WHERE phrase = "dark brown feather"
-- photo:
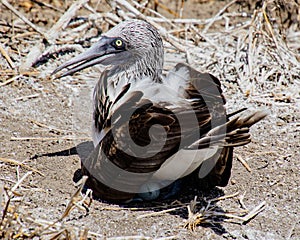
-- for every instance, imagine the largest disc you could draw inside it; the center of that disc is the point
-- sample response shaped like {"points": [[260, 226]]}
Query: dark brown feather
{"points": [[150, 124]]}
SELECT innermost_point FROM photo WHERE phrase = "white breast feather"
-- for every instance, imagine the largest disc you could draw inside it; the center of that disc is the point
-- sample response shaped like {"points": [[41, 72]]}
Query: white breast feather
{"points": [[170, 91]]}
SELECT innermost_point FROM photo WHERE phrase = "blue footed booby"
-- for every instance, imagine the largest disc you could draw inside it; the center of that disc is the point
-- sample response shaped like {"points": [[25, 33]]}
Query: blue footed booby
{"points": [[151, 130]]}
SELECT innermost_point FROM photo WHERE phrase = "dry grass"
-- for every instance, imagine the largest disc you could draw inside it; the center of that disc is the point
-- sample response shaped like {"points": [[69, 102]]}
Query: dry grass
{"points": [[17, 224], [211, 215]]}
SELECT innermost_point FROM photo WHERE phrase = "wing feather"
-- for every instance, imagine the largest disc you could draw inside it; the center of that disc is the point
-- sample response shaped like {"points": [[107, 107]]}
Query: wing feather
{"points": [[144, 134]]}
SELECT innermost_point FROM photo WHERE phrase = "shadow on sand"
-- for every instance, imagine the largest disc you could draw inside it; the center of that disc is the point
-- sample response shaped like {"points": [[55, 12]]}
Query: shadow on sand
{"points": [[189, 188]]}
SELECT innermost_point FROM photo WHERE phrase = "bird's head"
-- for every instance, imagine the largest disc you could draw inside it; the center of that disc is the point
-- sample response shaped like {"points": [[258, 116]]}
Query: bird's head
{"points": [[131, 46]]}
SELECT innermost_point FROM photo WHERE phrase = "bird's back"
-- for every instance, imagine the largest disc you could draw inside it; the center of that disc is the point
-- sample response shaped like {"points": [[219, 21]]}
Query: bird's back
{"points": [[147, 124]]}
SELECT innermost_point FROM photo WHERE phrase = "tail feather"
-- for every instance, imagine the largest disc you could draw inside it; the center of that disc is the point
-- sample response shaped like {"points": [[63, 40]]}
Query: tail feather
{"points": [[231, 134], [237, 134]]}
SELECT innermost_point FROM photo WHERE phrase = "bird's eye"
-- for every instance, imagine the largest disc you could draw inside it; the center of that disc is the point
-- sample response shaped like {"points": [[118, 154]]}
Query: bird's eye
{"points": [[118, 43]]}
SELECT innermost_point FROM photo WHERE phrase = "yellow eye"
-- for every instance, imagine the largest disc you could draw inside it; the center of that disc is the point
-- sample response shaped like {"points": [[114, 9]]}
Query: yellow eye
{"points": [[118, 42]]}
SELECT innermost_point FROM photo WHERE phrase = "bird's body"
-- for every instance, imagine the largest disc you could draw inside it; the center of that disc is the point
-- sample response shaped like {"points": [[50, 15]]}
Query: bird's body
{"points": [[150, 129]]}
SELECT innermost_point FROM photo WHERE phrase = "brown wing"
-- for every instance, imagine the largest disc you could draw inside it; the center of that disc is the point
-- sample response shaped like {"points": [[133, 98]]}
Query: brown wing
{"points": [[237, 129], [127, 142], [206, 91], [143, 135], [139, 128]]}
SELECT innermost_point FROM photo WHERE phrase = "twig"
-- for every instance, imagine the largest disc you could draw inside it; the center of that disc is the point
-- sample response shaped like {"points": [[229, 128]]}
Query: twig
{"points": [[62, 23], [9, 80], [47, 5], [158, 213], [241, 201], [164, 7], [160, 16], [24, 19], [49, 225], [237, 65], [27, 97], [217, 15], [15, 162], [245, 164], [204, 37], [52, 128], [193, 21], [269, 24], [6, 205], [89, 8], [207, 214], [52, 34], [254, 212], [20, 181], [23, 35], [1, 198], [75, 200], [7, 57], [224, 197]]}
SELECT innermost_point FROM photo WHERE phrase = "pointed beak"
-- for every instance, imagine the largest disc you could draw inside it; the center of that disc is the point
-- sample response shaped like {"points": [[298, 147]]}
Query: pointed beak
{"points": [[97, 54]]}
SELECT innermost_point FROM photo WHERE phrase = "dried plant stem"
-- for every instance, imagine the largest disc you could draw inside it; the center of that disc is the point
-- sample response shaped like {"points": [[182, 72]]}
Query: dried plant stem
{"points": [[48, 5], [52, 34], [15, 162], [62, 23], [27, 97], [224, 197], [217, 15], [244, 163], [20, 181], [23, 18], [158, 213], [51, 128], [7, 57], [9, 80], [208, 214]]}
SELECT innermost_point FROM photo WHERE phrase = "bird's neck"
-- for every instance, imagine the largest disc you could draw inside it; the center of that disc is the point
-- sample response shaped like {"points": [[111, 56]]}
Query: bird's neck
{"points": [[135, 73]]}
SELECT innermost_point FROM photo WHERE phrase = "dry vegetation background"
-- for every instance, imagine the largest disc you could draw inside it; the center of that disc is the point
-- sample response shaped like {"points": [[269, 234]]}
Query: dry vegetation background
{"points": [[252, 46]]}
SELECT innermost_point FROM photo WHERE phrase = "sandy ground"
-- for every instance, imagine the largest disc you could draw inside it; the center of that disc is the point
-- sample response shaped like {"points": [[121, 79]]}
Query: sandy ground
{"points": [[44, 111]]}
